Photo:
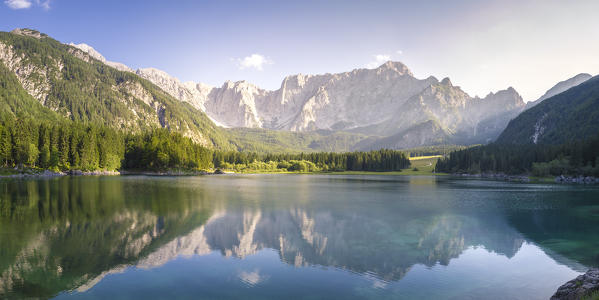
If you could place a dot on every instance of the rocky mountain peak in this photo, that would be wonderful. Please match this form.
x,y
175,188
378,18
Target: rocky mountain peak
x,y
395,66
446,81
89,50
96,55
295,81
432,79
156,72
562,86
229,85
581,76
29,32
508,98
202,87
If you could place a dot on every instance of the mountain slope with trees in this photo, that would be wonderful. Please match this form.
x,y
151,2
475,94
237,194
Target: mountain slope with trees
x,y
556,137
561,87
73,84
569,116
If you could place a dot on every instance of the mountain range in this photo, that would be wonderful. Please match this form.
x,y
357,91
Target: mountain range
x,y
388,104
385,107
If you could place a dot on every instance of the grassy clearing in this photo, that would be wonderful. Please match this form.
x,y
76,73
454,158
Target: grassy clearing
x,y
435,157
422,165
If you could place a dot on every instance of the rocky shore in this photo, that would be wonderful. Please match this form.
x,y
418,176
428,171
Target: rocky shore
x,y
47,173
582,287
576,179
165,173
31,173
525,178
498,176
82,173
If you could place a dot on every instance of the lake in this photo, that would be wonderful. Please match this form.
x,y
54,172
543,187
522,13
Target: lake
x,y
293,236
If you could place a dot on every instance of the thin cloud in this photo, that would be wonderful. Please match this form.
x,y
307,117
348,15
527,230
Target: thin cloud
x,y
18,4
399,52
254,61
25,4
44,4
379,59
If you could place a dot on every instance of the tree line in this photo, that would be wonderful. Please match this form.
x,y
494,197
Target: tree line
x,y
59,146
67,145
575,158
379,160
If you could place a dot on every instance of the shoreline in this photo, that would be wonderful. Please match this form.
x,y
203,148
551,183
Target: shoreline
x,y
562,179
49,174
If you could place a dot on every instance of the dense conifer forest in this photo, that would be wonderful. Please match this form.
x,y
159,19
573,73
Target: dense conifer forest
x,y
67,145
574,158
380,160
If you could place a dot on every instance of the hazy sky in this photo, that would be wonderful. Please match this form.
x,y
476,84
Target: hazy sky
x,y
482,46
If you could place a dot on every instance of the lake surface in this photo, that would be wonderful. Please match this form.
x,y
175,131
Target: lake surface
x,y
293,236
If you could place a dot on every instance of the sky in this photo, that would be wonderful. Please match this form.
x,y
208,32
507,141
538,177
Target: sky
x,y
482,46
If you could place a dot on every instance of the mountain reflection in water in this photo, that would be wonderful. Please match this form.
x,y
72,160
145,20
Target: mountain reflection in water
x,y
68,234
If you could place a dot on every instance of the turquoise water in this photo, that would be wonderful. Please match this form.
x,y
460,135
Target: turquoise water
x,y
293,236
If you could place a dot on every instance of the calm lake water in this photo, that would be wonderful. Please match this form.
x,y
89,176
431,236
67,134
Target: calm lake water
x,y
293,237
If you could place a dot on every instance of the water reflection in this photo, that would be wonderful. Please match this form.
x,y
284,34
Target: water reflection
x,y
68,234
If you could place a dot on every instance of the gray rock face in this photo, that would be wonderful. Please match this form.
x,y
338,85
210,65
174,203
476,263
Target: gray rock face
x,y
234,104
385,101
28,32
95,54
583,286
173,86
576,179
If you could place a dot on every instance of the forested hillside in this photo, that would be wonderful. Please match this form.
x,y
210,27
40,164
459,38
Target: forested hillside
x,y
15,102
558,136
71,83
575,158
569,116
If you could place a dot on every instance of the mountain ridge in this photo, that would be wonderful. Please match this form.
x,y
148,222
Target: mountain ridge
x,y
332,102
566,117
305,102
561,87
